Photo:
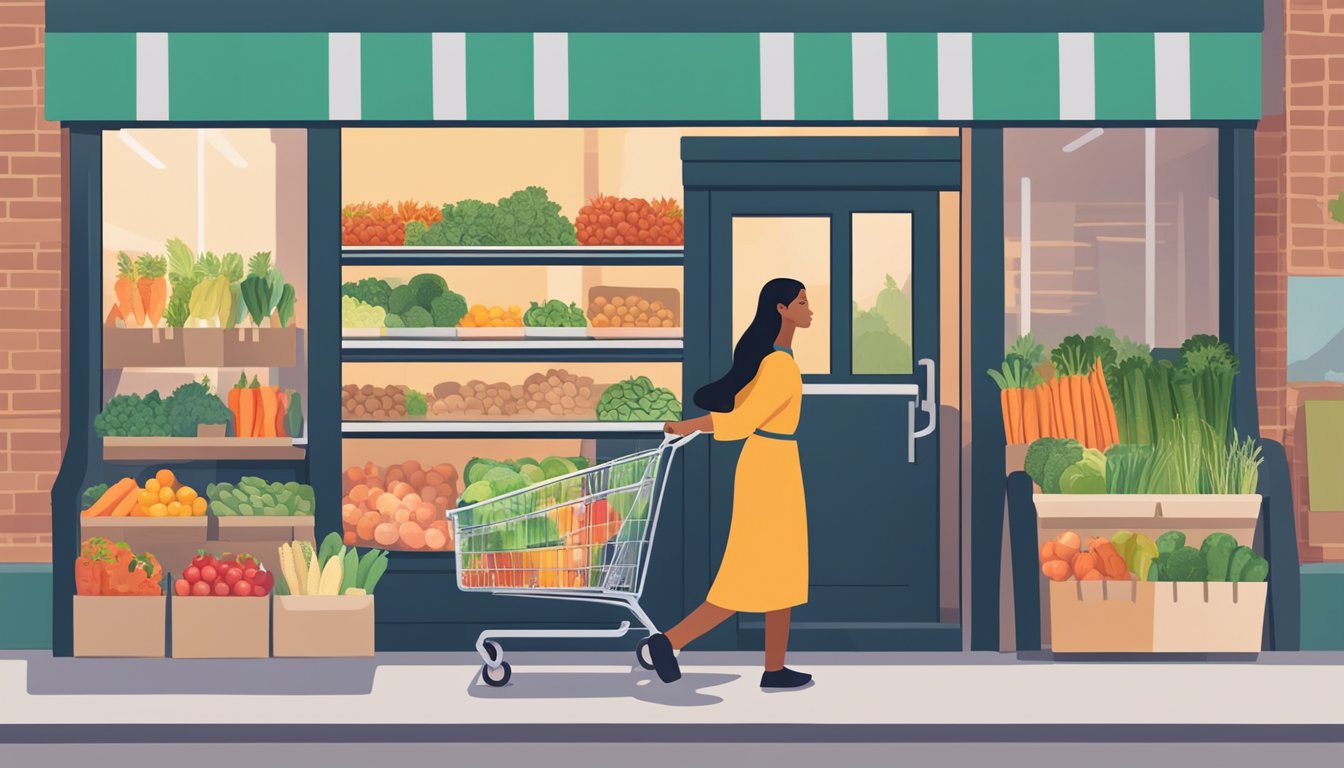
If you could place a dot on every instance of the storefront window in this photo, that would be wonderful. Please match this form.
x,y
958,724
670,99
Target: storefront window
x,y
1111,227
766,247
881,290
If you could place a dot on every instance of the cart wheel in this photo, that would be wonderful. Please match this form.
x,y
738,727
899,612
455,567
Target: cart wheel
x,y
492,650
496,678
641,654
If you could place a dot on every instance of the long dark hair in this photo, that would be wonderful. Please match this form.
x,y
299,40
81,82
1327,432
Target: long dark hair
x,y
756,342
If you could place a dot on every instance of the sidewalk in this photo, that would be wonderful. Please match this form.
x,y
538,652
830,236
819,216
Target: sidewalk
x,y
597,697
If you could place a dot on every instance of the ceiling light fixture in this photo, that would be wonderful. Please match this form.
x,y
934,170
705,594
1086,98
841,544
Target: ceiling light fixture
x,y
141,150
1084,140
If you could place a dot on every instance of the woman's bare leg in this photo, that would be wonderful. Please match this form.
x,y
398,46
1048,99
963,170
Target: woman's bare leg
x,y
776,639
701,620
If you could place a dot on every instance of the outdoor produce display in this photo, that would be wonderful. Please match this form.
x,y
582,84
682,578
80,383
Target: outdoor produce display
x,y
1071,399
1129,555
526,217
332,570
401,508
630,311
1150,395
108,569
555,314
201,291
224,576
637,399
265,411
607,220
181,414
255,496
382,224
161,496
1219,558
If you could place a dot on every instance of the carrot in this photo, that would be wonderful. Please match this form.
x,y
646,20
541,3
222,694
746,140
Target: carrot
x,y
269,407
1031,420
111,498
1007,416
158,300
1099,401
1043,409
1066,407
247,413
1079,415
142,288
1112,426
124,287
125,506
235,395
1089,413
1015,403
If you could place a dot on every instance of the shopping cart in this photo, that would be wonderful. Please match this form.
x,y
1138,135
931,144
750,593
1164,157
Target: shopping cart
x,y
585,536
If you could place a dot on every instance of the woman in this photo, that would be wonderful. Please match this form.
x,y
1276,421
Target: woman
x,y
764,568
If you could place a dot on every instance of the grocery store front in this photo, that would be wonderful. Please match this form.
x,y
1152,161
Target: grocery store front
x,y
516,242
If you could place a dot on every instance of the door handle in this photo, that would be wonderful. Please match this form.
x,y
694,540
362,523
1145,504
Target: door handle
x,y
925,404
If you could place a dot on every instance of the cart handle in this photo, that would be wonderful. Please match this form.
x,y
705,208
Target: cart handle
x,y
677,441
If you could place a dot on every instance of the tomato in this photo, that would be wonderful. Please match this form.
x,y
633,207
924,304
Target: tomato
x,y
250,574
221,589
209,574
233,576
266,578
200,589
201,559
182,587
247,561
242,589
260,590
192,574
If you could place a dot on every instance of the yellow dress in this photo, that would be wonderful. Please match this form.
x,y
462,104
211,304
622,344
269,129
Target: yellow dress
x,y
765,564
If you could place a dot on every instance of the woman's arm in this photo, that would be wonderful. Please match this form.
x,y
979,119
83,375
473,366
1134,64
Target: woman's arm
x,y
699,424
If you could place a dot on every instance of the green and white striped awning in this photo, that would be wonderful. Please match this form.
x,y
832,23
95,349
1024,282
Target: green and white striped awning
x,y
635,77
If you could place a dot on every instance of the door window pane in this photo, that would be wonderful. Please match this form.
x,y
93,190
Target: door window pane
x,y
881,292
768,247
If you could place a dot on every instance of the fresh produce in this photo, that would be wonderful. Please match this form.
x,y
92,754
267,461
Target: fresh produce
x,y
1048,457
1062,558
414,233
424,302
371,290
527,217
369,402
1088,475
402,508
555,314
415,403
152,286
132,416
381,223
255,496
1019,384
1080,393
630,311
192,405
212,302
357,314
107,569
637,399
161,496
224,576
481,316
265,411
91,495
555,393
1137,550
607,220
339,569
1219,558
1150,395
130,302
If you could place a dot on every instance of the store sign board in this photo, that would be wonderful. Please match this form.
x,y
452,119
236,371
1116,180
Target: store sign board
x,y
656,77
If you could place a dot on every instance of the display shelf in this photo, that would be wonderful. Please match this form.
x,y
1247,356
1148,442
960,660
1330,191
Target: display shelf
x,y
202,449
512,350
143,523
500,428
200,347
583,255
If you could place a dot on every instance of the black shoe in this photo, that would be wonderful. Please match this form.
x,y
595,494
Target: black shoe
x,y
785,678
664,659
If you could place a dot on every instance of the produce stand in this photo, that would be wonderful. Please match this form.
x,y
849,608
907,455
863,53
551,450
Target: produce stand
x,y
158,449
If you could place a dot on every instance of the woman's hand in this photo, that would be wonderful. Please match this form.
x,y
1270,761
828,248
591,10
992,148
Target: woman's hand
x,y
699,424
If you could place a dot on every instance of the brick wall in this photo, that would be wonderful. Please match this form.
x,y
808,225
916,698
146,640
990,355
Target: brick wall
x,y
32,291
1271,278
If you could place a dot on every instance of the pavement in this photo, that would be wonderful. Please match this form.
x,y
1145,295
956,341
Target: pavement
x,y
575,698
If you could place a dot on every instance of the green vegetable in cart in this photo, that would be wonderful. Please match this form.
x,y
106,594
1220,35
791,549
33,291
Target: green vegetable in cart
x,y
415,403
448,309
555,466
92,494
1170,542
475,470
1217,550
1085,476
637,399
504,480
401,299
555,314
371,290
193,404
418,317
1184,564
415,232
477,492
133,416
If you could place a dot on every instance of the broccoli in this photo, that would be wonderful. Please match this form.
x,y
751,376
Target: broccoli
x,y
415,403
415,233
401,300
1067,452
1170,542
1037,454
133,416
370,290
1184,564
448,309
417,317
193,404
1217,550
393,321
427,287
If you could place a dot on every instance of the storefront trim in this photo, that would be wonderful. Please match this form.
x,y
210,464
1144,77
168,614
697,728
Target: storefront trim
x,y
559,77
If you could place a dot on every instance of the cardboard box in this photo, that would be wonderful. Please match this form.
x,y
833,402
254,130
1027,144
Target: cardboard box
x,y
221,627
1101,616
1209,617
313,625
120,626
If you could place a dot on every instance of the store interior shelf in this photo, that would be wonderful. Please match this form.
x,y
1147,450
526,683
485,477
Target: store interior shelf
x,y
201,449
197,522
200,347
486,429
514,350
418,256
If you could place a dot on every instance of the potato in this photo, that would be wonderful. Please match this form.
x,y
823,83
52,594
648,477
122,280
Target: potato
x,y
388,503
401,515
350,514
410,467
364,529
386,534
374,494
400,489
412,535
411,500
435,539
424,514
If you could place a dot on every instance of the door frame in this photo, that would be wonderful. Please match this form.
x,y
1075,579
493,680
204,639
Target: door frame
x,y
743,164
